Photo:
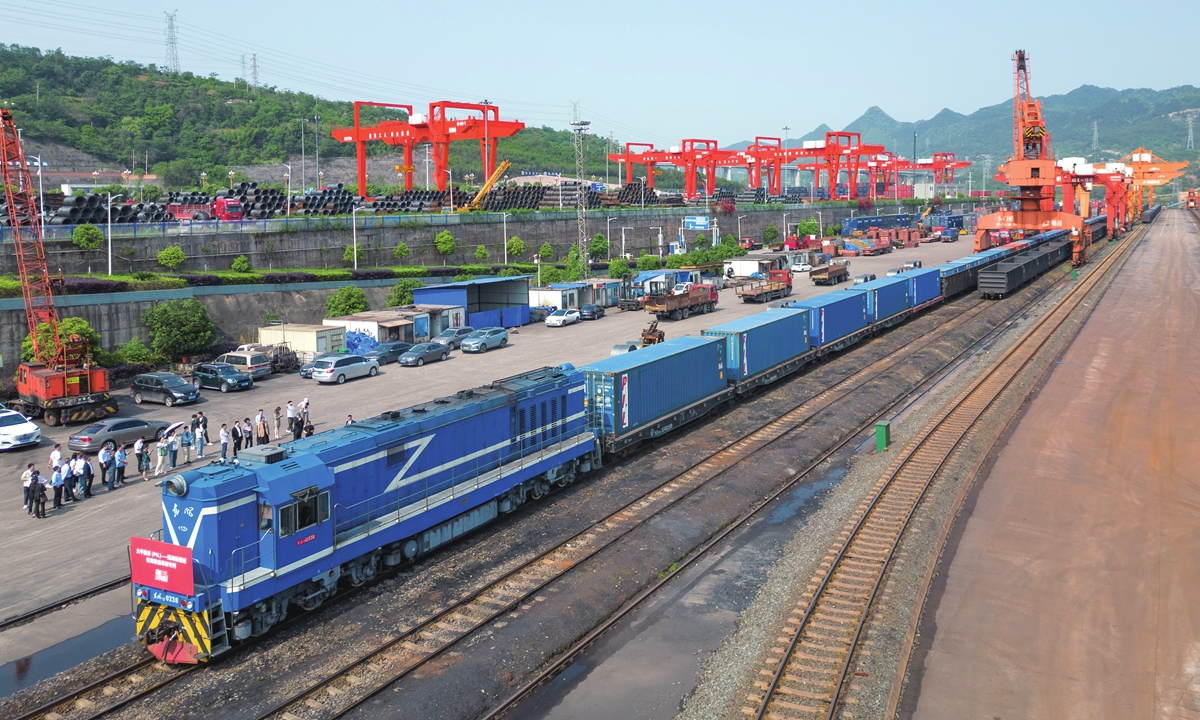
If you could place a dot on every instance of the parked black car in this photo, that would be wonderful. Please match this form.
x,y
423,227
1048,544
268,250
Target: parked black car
x,y
388,352
222,376
591,312
164,387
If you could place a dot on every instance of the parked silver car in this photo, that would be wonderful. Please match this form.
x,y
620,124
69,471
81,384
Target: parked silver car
x,y
425,352
111,432
485,339
453,336
339,370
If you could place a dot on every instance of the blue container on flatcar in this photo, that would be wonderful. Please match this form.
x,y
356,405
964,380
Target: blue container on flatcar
x,y
635,389
953,267
924,284
886,297
834,315
756,343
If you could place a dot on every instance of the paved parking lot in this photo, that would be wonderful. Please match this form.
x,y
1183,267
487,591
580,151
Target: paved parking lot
x,y
83,545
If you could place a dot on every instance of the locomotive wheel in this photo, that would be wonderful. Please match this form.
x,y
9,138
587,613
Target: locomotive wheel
x,y
51,418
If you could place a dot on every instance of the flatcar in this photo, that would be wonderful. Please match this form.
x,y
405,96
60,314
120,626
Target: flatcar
x,y
247,541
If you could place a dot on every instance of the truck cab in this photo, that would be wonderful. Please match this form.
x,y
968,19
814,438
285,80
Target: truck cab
x,y
227,209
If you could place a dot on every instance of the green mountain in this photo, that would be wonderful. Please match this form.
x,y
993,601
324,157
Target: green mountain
x,y
1155,119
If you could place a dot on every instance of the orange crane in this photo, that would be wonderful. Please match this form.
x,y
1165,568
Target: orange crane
x,y
60,383
1032,170
1149,171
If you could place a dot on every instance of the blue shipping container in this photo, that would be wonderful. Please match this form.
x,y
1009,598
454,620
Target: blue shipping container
x,y
834,315
637,388
952,268
923,285
886,297
756,343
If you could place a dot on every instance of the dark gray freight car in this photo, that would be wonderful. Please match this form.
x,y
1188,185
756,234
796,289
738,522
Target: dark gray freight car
x,y
1005,278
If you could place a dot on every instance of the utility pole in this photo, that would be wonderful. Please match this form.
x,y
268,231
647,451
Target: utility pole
x,y
254,73
317,146
580,127
303,176
1191,145
172,44
987,170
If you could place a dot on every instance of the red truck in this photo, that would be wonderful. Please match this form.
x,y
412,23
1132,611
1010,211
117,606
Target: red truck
x,y
222,208
777,285
682,301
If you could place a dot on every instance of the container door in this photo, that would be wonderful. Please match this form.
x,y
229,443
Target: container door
x,y
322,343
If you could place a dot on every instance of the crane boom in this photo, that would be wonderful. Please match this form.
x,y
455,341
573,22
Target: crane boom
x,y
27,240
477,201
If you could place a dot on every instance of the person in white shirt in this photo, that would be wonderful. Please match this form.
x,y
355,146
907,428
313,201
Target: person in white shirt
x,y
55,457
291,414
224,440
106,464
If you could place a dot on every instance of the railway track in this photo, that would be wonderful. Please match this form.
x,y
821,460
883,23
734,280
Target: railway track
x,y
111,692
351,685
36,613
812,660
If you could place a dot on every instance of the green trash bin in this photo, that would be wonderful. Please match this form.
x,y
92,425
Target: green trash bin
x,y
883,435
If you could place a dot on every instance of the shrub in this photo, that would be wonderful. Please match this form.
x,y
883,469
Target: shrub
x,y
200,280
237,278
288,277
445,271
401,251
546,252
346,301
126,371
87,237
372,274
444,242
179,328
481,252
402,294
330,274
553,274
770,232
516,247
701,242
477,269
463,277
510,272
171,257
67,327
135,352
411,272
91,285
649,262
598,247
618,268
241,264
144,275
349,252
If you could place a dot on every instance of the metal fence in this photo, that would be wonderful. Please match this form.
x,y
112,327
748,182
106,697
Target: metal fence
x,y
308,223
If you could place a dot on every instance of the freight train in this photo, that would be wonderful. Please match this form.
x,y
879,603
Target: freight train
x,y
247,541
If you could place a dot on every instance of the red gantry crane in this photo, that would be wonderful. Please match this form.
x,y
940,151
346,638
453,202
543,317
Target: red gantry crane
x,y
1031,170
60,383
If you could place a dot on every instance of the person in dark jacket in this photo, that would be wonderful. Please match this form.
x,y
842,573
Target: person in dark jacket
x,y
309,429
37,496
236,432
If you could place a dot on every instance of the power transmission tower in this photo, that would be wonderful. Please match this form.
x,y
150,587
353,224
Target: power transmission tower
x,y
1191,142
580,127
243,74
172,44
1095,135
254,72
987,170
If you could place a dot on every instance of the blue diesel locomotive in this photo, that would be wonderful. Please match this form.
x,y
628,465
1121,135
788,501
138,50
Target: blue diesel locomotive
x,y
283,525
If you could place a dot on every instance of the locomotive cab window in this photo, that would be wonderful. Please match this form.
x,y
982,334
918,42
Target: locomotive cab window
x,y
311,508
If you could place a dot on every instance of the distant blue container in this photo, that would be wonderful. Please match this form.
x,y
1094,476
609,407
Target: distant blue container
x,y
759,342
834,315
637,388
924,284
952,268
886,297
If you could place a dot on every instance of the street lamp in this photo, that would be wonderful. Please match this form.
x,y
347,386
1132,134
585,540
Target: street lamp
x,y
783,165
95,178
784,227
623,229
288,176
659,229
450,172
320,179
740,227
203,179
230,179
504,222
354,232
110,201
820,224
125,173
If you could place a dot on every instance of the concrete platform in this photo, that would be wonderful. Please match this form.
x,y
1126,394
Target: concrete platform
x,y
1069,588
85,544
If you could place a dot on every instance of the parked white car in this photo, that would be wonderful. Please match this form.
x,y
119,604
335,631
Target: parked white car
x,y
17,430
340,369
558,318
801,268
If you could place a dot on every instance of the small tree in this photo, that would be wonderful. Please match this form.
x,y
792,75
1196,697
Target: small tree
x,y
401,251
809,227
171,257
346,301
618,268
546,252
444,242
575,265
348,254
402,294
729,239
649,262
516,247
481,252
67,327
87,237
179,328
136,352
241,264
598,247
701,242
770,232
865,204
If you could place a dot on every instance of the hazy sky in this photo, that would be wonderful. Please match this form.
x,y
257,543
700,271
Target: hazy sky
x,y
646,71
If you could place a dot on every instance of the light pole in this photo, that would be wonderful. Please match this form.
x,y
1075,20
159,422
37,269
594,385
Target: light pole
x,y
41,195
608,235
623,229
783,164
784,227
643,192
450,172
317,144
659,239
740,227
110,199
125,177
504,222
820,224
95,178
320,179
354,232
303,131
203,179
288,176
230,179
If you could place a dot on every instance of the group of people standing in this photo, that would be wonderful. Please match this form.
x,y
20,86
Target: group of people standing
x,y
66,481
237,435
